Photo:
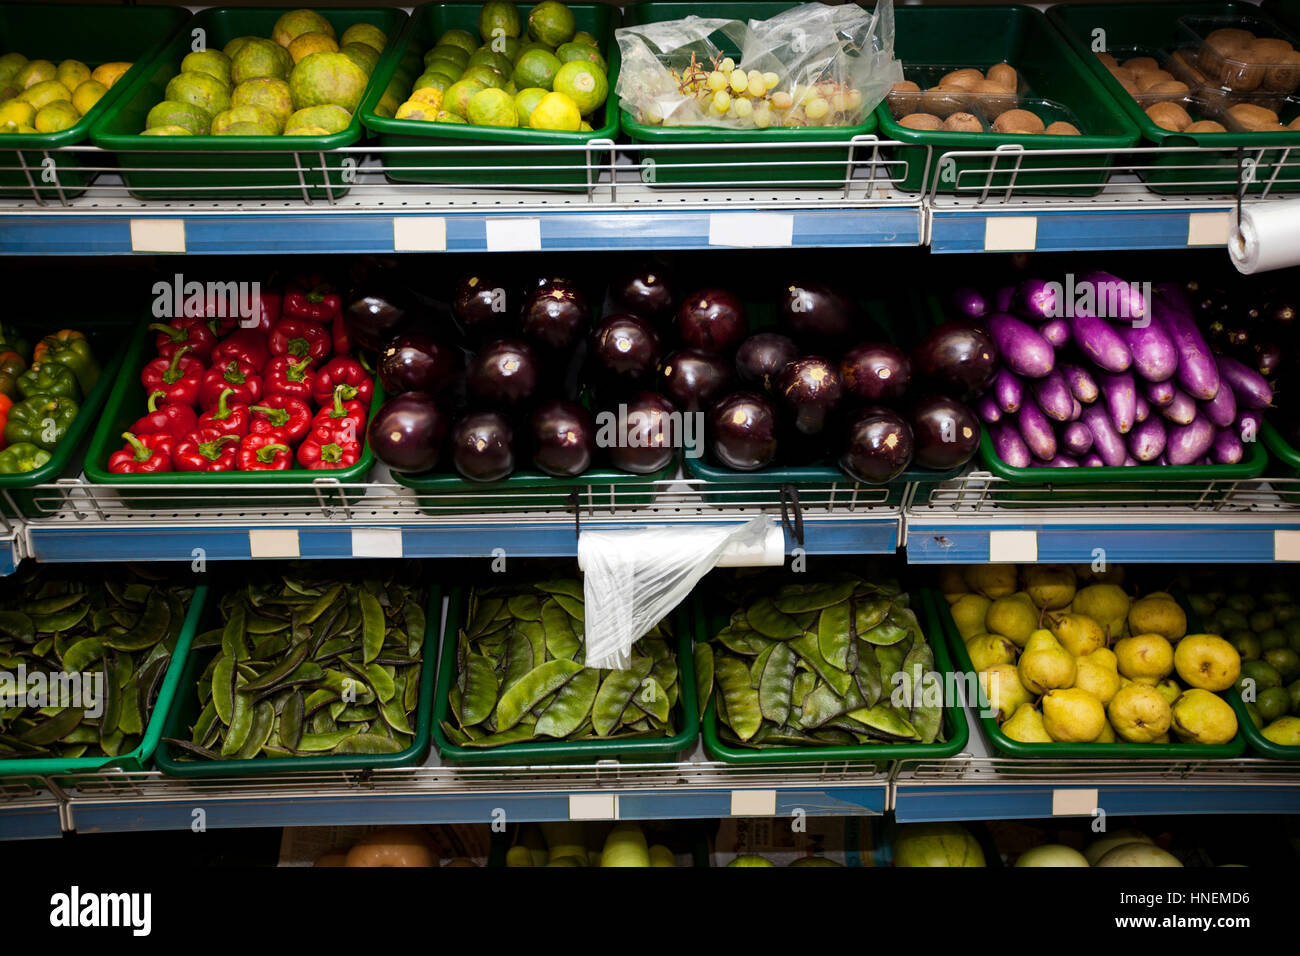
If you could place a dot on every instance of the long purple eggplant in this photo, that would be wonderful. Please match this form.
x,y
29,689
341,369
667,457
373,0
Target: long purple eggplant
x,y
1227,448
1021,348
1159,394
1123,301
1181,410
1120,394
1091,460
1008,391
1053,395
1008,444
1197,374
1076,409
1057,332
1060,461
969,303
1146,442
987,409
1098,340
1187,443
1082,385
1221,410
1105,440
1037,300
1036,430
1252,389
1077,439
1154,355
1143,408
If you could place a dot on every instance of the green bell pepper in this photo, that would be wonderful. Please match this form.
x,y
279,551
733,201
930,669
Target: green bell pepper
x,y
49,379
41,421
70,348
11,340
22,457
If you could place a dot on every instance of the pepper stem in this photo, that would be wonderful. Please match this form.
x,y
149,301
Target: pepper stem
x,y
153,399
176,335
297,371
331,453
174,373
299,346
277,416
266,454
139,451
223,406
338,411
232,374
211,450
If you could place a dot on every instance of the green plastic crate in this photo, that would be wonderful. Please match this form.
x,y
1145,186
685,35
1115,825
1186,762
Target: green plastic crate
x,y
1120,750
783,163
1153,29
710,618
265,167
153,732
107,340
980,37
537,753
185,709
1284,456
596,488
570,165
93,34
127,402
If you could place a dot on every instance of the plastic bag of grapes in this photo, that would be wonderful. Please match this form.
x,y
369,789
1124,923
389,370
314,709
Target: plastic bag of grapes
x,y
813,65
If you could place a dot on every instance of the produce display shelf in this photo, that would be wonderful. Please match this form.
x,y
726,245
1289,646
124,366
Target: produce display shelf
x,y
29,810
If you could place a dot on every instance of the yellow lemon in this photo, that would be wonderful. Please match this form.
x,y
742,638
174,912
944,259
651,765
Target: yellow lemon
x,y
85,96
43,94
72,73
56,117
17,112
109,73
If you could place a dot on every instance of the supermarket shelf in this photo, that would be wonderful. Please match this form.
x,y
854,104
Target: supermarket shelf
x,y
28,810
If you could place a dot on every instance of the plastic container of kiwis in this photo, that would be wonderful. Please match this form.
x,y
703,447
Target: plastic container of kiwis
x,y
1241,54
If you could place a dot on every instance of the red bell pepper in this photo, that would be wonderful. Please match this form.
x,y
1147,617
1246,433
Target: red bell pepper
x,y
188,330
328,447
178,378
345,417
143,454
282,415
346,374
286,375
175,420
246,345
206,449
228,417
264,453
269,305
299,338
240,377
312,298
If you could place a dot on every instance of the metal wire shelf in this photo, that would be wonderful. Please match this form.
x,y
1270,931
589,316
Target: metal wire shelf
x,y
994,771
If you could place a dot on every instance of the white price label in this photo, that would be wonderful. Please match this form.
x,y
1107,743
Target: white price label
x,y
1208,228
273,543
1286,545
514,235
157,235
376,542
593,806
1013,547
751,229
420,234
1074,803
1010,233
753,803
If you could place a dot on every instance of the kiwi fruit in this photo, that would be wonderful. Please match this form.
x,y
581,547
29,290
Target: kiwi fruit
x,y
1169,116
993,98
963,123
1017,122
1107,59
1062,128
964,79
1005,76
1141,64
1206,126
1149,78
1219,48
1175,89
944,101
1228,37
1267,49
1284,75
904,98
1254,118
923,121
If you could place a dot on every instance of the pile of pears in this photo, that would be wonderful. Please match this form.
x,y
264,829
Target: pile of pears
x,y
586,845
1065,655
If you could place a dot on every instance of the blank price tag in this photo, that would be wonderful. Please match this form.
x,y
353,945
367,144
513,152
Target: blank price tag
x,y
751,229
514,235
593,806
420,234
157,235
273,543
1286,545
1013,547
1074,803
1208,228
1010,233
753,803
376,542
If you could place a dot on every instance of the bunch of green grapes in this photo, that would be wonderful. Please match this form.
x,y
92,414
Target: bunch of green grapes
x,y
751,96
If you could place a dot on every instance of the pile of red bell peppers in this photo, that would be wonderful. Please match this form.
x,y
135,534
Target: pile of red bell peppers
x,y
270,394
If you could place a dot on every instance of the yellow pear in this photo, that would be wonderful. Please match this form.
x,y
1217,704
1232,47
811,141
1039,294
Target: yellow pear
x,y
1013,616
1157,614
968,613
1285,732
1078,633
1169,689
951,580
1139,714
1026,726
1045,665
1003,690
1200,717
1163,739
1072,716
1107,604
1207,661
1147,655
1097,676
1104,655
1103,845
1050,586
985,650
992,580
1107,735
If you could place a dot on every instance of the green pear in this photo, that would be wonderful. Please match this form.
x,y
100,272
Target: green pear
x,y
985,650
1157,614
1051,854
1026,726
1138,854
952,582
1078,633
1103,845
1107,604
1013,616
625,846
992,580
1073,716
1002,689
1050,586
968,613
1045,665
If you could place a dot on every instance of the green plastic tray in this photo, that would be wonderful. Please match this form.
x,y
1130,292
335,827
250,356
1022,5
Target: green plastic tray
x,y
1154,27
765,167
597,488
980,37
710,618
153,732
535,753
127,403
17,494
265,167
94,34
1007,747
569,166
185,709
1280,451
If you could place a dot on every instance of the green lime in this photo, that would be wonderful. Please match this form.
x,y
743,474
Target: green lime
x,y
531,45
484,56
551,22
461,38
555,111
492,108
332,119
568,52
526,101
366,33
189,117
581,82
266,93
435,80
1273,703
446,117
199,89
455,99
448,51
321,78
485,75
582,36
443,68
362,54
259,57
537,68
10,64
213,62
266,124
1253,713
499,18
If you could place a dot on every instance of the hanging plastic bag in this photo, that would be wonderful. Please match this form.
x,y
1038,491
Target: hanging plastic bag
x,y
812,66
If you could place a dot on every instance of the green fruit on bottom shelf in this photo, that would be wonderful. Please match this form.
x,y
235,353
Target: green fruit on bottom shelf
x,y
750,859
492,108
497,18
936,845
252,116
1138,854
459,38
551,22
526,101
185,115
332,119
200,90
1273,703
327,79
625,846
1051,854
537,68
583,83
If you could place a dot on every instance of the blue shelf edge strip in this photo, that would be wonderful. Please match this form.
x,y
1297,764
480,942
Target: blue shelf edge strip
x,y
922,804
